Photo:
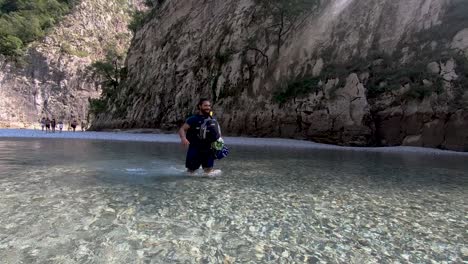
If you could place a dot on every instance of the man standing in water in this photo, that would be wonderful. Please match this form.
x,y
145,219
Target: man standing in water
x,y
199,150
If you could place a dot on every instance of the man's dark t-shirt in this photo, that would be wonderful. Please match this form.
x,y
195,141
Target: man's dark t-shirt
x,y
195,123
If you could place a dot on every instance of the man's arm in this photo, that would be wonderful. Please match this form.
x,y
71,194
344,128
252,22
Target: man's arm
x,y
183,135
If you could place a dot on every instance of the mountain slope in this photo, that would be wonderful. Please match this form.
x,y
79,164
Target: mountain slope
x,y
52,80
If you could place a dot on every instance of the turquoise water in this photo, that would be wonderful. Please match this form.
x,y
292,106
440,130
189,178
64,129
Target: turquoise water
x,y
84,201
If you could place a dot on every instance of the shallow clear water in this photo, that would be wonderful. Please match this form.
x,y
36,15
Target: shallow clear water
x,y
83,201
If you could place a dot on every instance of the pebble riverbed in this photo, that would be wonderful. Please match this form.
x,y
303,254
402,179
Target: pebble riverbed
x,y
108,200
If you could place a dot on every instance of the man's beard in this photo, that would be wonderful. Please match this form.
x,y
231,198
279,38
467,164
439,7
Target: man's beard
x,y
206,112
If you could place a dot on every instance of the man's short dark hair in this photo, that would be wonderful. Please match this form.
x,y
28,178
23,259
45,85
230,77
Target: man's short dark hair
x,y
201,101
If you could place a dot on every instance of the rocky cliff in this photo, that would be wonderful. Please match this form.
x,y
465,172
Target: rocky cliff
x,y
349,72
52,79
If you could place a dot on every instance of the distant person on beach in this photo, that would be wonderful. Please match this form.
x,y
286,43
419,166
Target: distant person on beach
x,y
74,124
43,121
60,125
199,151
47,125
53,124
83,126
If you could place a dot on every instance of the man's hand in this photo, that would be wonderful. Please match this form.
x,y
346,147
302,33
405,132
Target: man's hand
x,y
183,135
185,142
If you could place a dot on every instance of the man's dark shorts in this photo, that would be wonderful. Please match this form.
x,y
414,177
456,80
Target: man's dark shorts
x,y
197,157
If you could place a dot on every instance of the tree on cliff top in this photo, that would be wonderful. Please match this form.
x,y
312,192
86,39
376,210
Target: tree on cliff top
x,y
284,15
108,73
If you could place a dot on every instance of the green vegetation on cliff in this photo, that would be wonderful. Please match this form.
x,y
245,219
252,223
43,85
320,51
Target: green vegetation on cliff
x,y
108,73
140,17
137,21
384,73
297,88
23,21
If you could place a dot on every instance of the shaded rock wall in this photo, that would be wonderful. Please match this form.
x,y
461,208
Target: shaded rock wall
x,y
350,72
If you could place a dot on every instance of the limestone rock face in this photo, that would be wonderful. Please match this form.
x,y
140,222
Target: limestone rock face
x,y
52,80
460,41
324,76
346,114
